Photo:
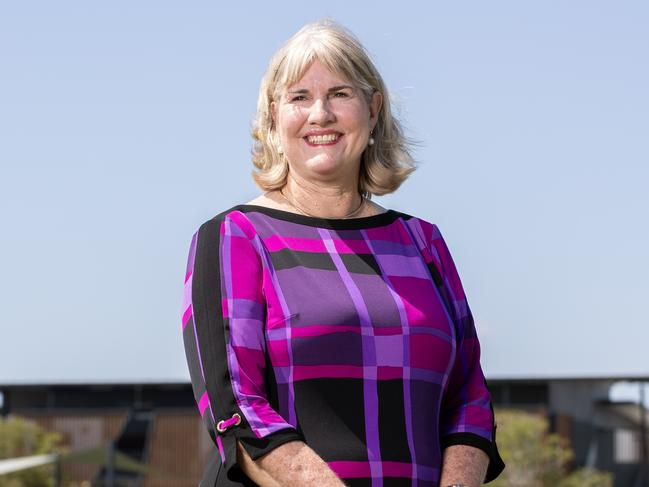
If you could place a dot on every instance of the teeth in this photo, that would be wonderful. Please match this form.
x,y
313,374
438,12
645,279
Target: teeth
x,y
322,139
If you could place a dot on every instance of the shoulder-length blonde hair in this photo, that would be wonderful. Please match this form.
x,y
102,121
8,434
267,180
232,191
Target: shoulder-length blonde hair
x,y
385,164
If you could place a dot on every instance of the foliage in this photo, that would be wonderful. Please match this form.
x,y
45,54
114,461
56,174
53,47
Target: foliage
x,y
20,437
586,477
537,458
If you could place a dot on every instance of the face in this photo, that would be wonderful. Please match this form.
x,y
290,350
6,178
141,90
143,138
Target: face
x,y
324,123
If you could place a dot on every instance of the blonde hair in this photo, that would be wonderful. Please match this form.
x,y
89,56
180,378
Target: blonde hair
x,y
386,164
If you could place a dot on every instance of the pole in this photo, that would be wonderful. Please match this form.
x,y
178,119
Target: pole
x,y
643,437
58,474
110,466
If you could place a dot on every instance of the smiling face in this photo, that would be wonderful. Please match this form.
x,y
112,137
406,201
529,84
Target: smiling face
x,y
324,123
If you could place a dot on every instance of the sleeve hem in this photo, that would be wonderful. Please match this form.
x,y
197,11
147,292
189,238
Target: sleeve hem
x,y
255,447
259,447
496,464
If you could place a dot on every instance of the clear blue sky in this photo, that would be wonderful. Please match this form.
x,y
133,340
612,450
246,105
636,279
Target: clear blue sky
x,y
125,125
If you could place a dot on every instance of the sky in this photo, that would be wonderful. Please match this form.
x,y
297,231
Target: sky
x,y
125,125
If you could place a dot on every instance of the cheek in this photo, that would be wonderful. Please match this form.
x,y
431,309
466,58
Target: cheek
x,y
291,120
358,119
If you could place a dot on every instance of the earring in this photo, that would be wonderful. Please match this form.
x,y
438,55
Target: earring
x,y
280,150
371,140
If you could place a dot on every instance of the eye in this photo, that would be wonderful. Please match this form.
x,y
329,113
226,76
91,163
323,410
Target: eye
x,y
341,94
295,98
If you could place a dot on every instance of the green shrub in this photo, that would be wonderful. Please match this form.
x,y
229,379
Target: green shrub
x,y
20,437
537,458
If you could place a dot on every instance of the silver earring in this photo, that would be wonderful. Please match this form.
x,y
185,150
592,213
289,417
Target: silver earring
x,y
280,150
371,140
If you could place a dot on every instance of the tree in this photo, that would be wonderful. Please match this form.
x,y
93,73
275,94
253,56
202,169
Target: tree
x,y
537,458
20,437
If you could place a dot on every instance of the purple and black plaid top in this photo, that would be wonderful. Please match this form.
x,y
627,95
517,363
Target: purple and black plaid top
x,y
353,336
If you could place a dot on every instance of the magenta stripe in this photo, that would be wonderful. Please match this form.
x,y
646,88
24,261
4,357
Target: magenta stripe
x,y
356,470
275,242
219,444
350,246
186,315
370,394
203,403
350,470
225,307
319,330
390,330
399,469
389,373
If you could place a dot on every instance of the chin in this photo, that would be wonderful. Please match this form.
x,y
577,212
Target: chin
x,y
332,175
327,165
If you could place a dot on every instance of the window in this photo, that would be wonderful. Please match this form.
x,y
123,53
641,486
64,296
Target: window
x,y
627,446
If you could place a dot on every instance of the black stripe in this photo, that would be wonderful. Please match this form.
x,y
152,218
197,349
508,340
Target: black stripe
x,y
434,272
287,258
331,223
191,352
361,264
208,315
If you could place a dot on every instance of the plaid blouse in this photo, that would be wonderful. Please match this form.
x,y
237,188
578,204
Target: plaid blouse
x,y
353,336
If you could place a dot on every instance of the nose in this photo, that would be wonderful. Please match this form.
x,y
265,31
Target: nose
x,y
320,113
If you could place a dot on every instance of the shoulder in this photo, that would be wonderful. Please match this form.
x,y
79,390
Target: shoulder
x,y
236,215
430,241
425,230
228,221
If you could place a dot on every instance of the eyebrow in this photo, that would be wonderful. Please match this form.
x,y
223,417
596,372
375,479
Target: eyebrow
x,y
302,91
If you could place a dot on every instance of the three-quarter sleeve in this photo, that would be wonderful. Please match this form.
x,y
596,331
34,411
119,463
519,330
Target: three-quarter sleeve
x,y
467,416
223,326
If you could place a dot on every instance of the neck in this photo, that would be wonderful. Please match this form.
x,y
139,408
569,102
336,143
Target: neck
x,y
323,201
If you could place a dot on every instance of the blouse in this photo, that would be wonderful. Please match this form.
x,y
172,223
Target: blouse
x,y
351,335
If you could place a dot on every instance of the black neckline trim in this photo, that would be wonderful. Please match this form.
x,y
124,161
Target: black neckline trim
x,y
373,221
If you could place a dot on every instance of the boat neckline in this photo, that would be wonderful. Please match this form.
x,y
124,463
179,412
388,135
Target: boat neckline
x,y
380,219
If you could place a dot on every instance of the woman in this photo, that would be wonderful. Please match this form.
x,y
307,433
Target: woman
x,y
328,339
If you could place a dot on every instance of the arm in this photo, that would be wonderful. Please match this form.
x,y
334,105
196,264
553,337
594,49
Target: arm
x,y
223,332
464,465
467,425
293,464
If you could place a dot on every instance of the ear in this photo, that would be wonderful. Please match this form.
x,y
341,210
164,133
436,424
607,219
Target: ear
x,y
375,107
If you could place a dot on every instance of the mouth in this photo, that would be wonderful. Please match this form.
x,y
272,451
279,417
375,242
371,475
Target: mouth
x,y
322,139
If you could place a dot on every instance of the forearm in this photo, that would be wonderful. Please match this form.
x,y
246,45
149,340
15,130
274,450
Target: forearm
x,y
288,465
464,465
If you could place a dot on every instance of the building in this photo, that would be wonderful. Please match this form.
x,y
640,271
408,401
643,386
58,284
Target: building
x,y
158,425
